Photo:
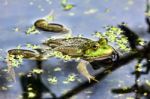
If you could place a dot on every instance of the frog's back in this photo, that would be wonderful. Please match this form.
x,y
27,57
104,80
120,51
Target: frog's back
x,y
76,41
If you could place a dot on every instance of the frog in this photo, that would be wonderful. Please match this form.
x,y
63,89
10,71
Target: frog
x,y
81,49
42,24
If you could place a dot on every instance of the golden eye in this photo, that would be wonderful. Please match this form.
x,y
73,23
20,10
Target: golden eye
x,y
95,46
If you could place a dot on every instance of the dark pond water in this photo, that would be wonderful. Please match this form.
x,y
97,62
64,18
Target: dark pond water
x,y
85,18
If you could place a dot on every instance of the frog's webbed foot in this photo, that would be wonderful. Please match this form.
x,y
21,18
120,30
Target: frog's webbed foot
x,y
83,70
90,77
10,68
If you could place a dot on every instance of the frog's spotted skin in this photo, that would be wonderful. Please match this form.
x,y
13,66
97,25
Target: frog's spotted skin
x,y
75,47
76,41
88,51
81,47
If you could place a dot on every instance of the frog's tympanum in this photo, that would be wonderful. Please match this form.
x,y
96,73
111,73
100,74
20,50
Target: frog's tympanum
x,y
77,47
51,27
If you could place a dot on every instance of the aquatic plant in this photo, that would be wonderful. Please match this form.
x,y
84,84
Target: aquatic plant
x,y
115,36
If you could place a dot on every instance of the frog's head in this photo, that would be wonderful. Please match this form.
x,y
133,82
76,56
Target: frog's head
x,y
100,50
41,23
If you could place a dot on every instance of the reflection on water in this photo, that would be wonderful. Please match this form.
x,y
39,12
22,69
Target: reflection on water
x,y
18,15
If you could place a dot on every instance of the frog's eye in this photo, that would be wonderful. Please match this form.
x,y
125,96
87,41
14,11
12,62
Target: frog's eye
x,y
95,46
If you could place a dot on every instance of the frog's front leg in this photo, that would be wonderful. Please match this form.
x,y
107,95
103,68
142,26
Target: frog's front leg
x,y
83,70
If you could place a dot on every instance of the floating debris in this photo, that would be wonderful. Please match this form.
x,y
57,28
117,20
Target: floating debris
x,y
66,6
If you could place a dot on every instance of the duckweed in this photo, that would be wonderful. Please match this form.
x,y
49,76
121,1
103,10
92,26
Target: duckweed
x,y
66,6
52,80
115,36
32,30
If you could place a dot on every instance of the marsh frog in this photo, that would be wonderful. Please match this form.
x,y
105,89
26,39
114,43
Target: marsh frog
x,y
87,49
42,24
76,47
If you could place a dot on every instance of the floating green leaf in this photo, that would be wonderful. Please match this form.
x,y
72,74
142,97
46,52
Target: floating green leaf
x,y
15,60
49,18
140,41
60,55
52,80
37,71
32,46
66,5
98,34
57,69
71,77
31,95
32,30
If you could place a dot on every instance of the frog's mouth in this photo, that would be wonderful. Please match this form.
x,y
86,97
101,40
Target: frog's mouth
x,y
114,57
98,58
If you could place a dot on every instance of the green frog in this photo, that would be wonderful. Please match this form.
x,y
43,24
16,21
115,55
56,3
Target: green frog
x,y
42,24
76,47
